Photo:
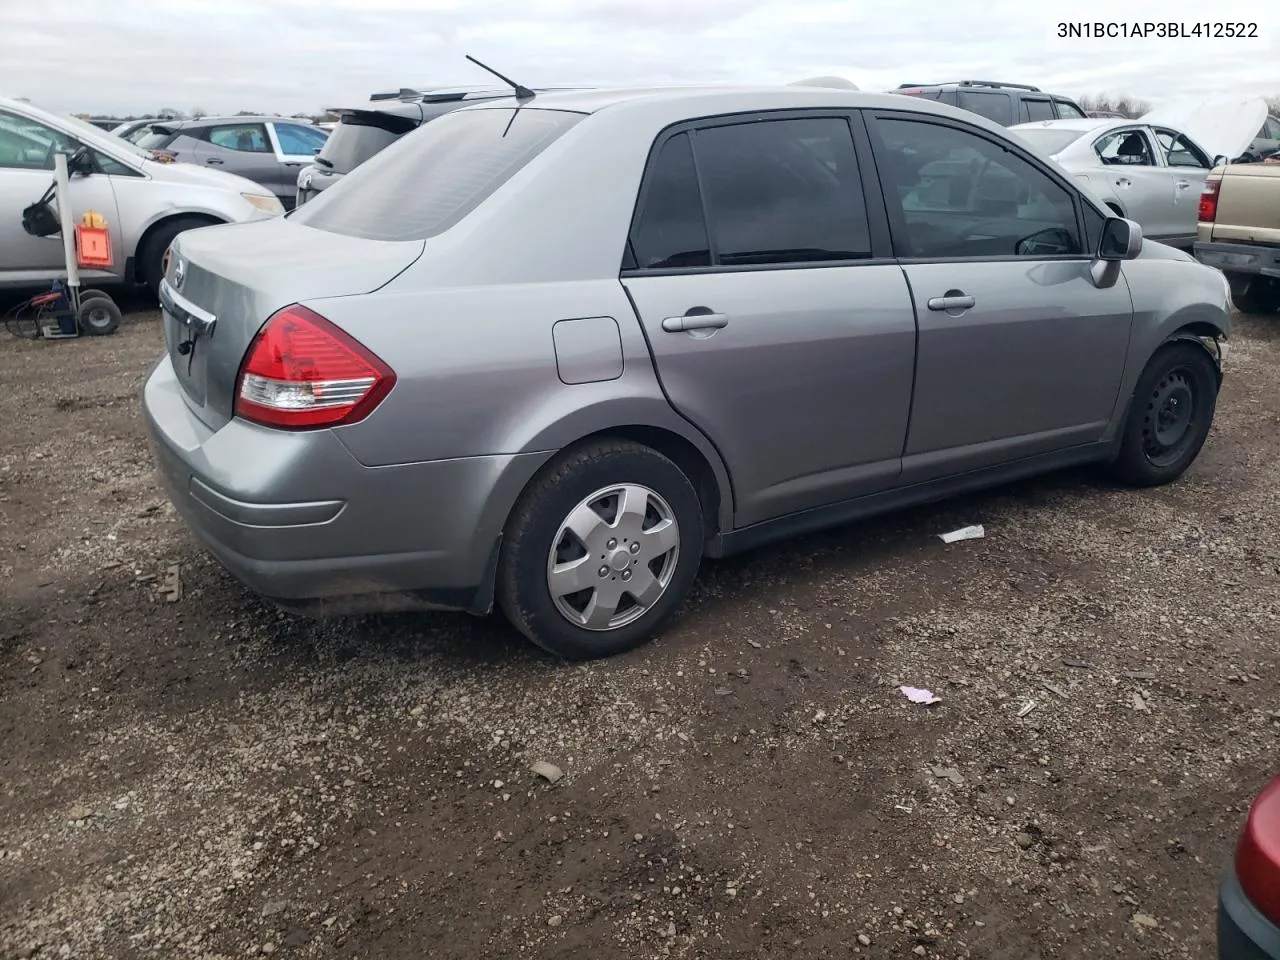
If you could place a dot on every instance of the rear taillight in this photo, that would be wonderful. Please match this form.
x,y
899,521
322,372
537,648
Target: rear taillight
x,y
1258,854
302,372
1209,200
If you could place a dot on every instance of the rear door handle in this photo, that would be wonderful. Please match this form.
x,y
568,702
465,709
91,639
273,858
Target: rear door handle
x,y
214,160
697,321
952,302
1123,182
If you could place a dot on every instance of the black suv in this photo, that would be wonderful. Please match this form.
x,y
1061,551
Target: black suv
x,y
363,131
1003,103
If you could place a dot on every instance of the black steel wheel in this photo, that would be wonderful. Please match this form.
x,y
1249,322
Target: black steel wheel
x,y
1169,416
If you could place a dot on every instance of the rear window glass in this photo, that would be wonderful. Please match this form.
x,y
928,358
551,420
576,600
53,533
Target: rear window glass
x,y
425,183
994,106
154,138
359,136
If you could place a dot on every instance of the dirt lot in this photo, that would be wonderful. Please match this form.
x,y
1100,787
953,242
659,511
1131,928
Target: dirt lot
x,y
207,777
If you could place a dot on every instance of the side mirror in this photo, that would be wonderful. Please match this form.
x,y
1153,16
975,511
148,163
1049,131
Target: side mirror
x,y
1221,160
81,161
1121,240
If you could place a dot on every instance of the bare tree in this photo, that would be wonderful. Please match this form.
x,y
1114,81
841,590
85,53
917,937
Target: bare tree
x,y
198,112
168,113
1122,104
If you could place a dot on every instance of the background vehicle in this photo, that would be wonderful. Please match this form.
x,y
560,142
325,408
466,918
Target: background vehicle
x,y
266,150
1249,896
567,412
1002,103
1239,232
363,131
1267,142
1150,173
135,130
146,204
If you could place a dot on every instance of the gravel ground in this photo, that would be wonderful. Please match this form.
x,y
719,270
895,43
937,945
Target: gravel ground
x,y
190,773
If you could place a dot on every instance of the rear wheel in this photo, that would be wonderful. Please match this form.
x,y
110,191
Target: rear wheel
x,y
601,550
1169,417
1254,294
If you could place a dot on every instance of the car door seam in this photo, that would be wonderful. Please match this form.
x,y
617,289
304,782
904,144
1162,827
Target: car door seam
x,y
657,375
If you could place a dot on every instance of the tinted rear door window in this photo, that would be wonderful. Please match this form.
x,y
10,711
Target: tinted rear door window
x,y
429,180
994,106
1033,110
670,230
1068,110
783,191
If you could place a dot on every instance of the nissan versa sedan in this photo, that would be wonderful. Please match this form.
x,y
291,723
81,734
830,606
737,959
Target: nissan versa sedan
x,y
1249,897
755,312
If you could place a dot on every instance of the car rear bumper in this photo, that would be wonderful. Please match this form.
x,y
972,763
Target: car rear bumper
x,y
1240,258
1243,933
296,518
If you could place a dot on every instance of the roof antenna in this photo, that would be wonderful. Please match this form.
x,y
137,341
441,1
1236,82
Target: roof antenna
x,y
522,92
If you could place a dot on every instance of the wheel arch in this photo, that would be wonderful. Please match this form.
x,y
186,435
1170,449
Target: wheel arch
x,y
144,241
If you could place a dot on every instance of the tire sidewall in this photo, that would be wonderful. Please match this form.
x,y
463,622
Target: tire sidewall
x,y
99,302
1133,460
524,593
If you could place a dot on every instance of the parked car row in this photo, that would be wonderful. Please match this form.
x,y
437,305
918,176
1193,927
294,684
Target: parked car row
x,y
145,203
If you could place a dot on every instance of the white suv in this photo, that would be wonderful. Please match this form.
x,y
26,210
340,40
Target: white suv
x,y
146,203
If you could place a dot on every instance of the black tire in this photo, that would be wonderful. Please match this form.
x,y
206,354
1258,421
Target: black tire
x,y
523,590
151,256
88,293
1169,416
99,316
1253,294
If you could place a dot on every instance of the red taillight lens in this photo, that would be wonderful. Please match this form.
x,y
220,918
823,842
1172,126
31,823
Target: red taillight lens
x,y
1209,200
1258,854
302,372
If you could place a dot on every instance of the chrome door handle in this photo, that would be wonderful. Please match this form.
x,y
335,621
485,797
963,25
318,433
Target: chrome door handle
x,y
697,321
1123,182
951,303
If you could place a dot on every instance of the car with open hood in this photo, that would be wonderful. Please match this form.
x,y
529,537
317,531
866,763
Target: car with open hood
x,y
145,203
546,353
1151,169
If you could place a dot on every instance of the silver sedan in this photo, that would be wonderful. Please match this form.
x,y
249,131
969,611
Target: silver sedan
x,y
615,332
1151,174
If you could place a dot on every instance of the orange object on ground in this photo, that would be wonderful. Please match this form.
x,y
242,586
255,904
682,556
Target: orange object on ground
x,y
93,246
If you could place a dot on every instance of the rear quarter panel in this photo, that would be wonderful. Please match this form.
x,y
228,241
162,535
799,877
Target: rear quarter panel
x,y
1248,204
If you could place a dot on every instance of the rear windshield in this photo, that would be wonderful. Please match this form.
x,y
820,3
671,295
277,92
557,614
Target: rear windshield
x,y
153,139
358,136
1047,140
425,183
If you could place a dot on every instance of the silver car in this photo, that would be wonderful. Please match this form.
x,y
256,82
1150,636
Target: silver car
x,y
616,332
1150,172
146,204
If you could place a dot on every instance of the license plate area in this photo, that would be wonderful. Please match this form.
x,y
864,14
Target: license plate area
x,y
189,366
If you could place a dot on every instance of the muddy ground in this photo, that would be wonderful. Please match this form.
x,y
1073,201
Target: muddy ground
x,y
202,776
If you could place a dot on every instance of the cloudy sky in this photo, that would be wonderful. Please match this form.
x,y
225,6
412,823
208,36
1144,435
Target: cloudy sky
x,y
136,56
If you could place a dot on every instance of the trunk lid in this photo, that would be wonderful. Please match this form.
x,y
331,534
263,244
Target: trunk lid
x,y
223,283
1249,204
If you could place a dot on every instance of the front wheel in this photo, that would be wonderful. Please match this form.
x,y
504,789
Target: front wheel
x,y
1169,416
601,550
